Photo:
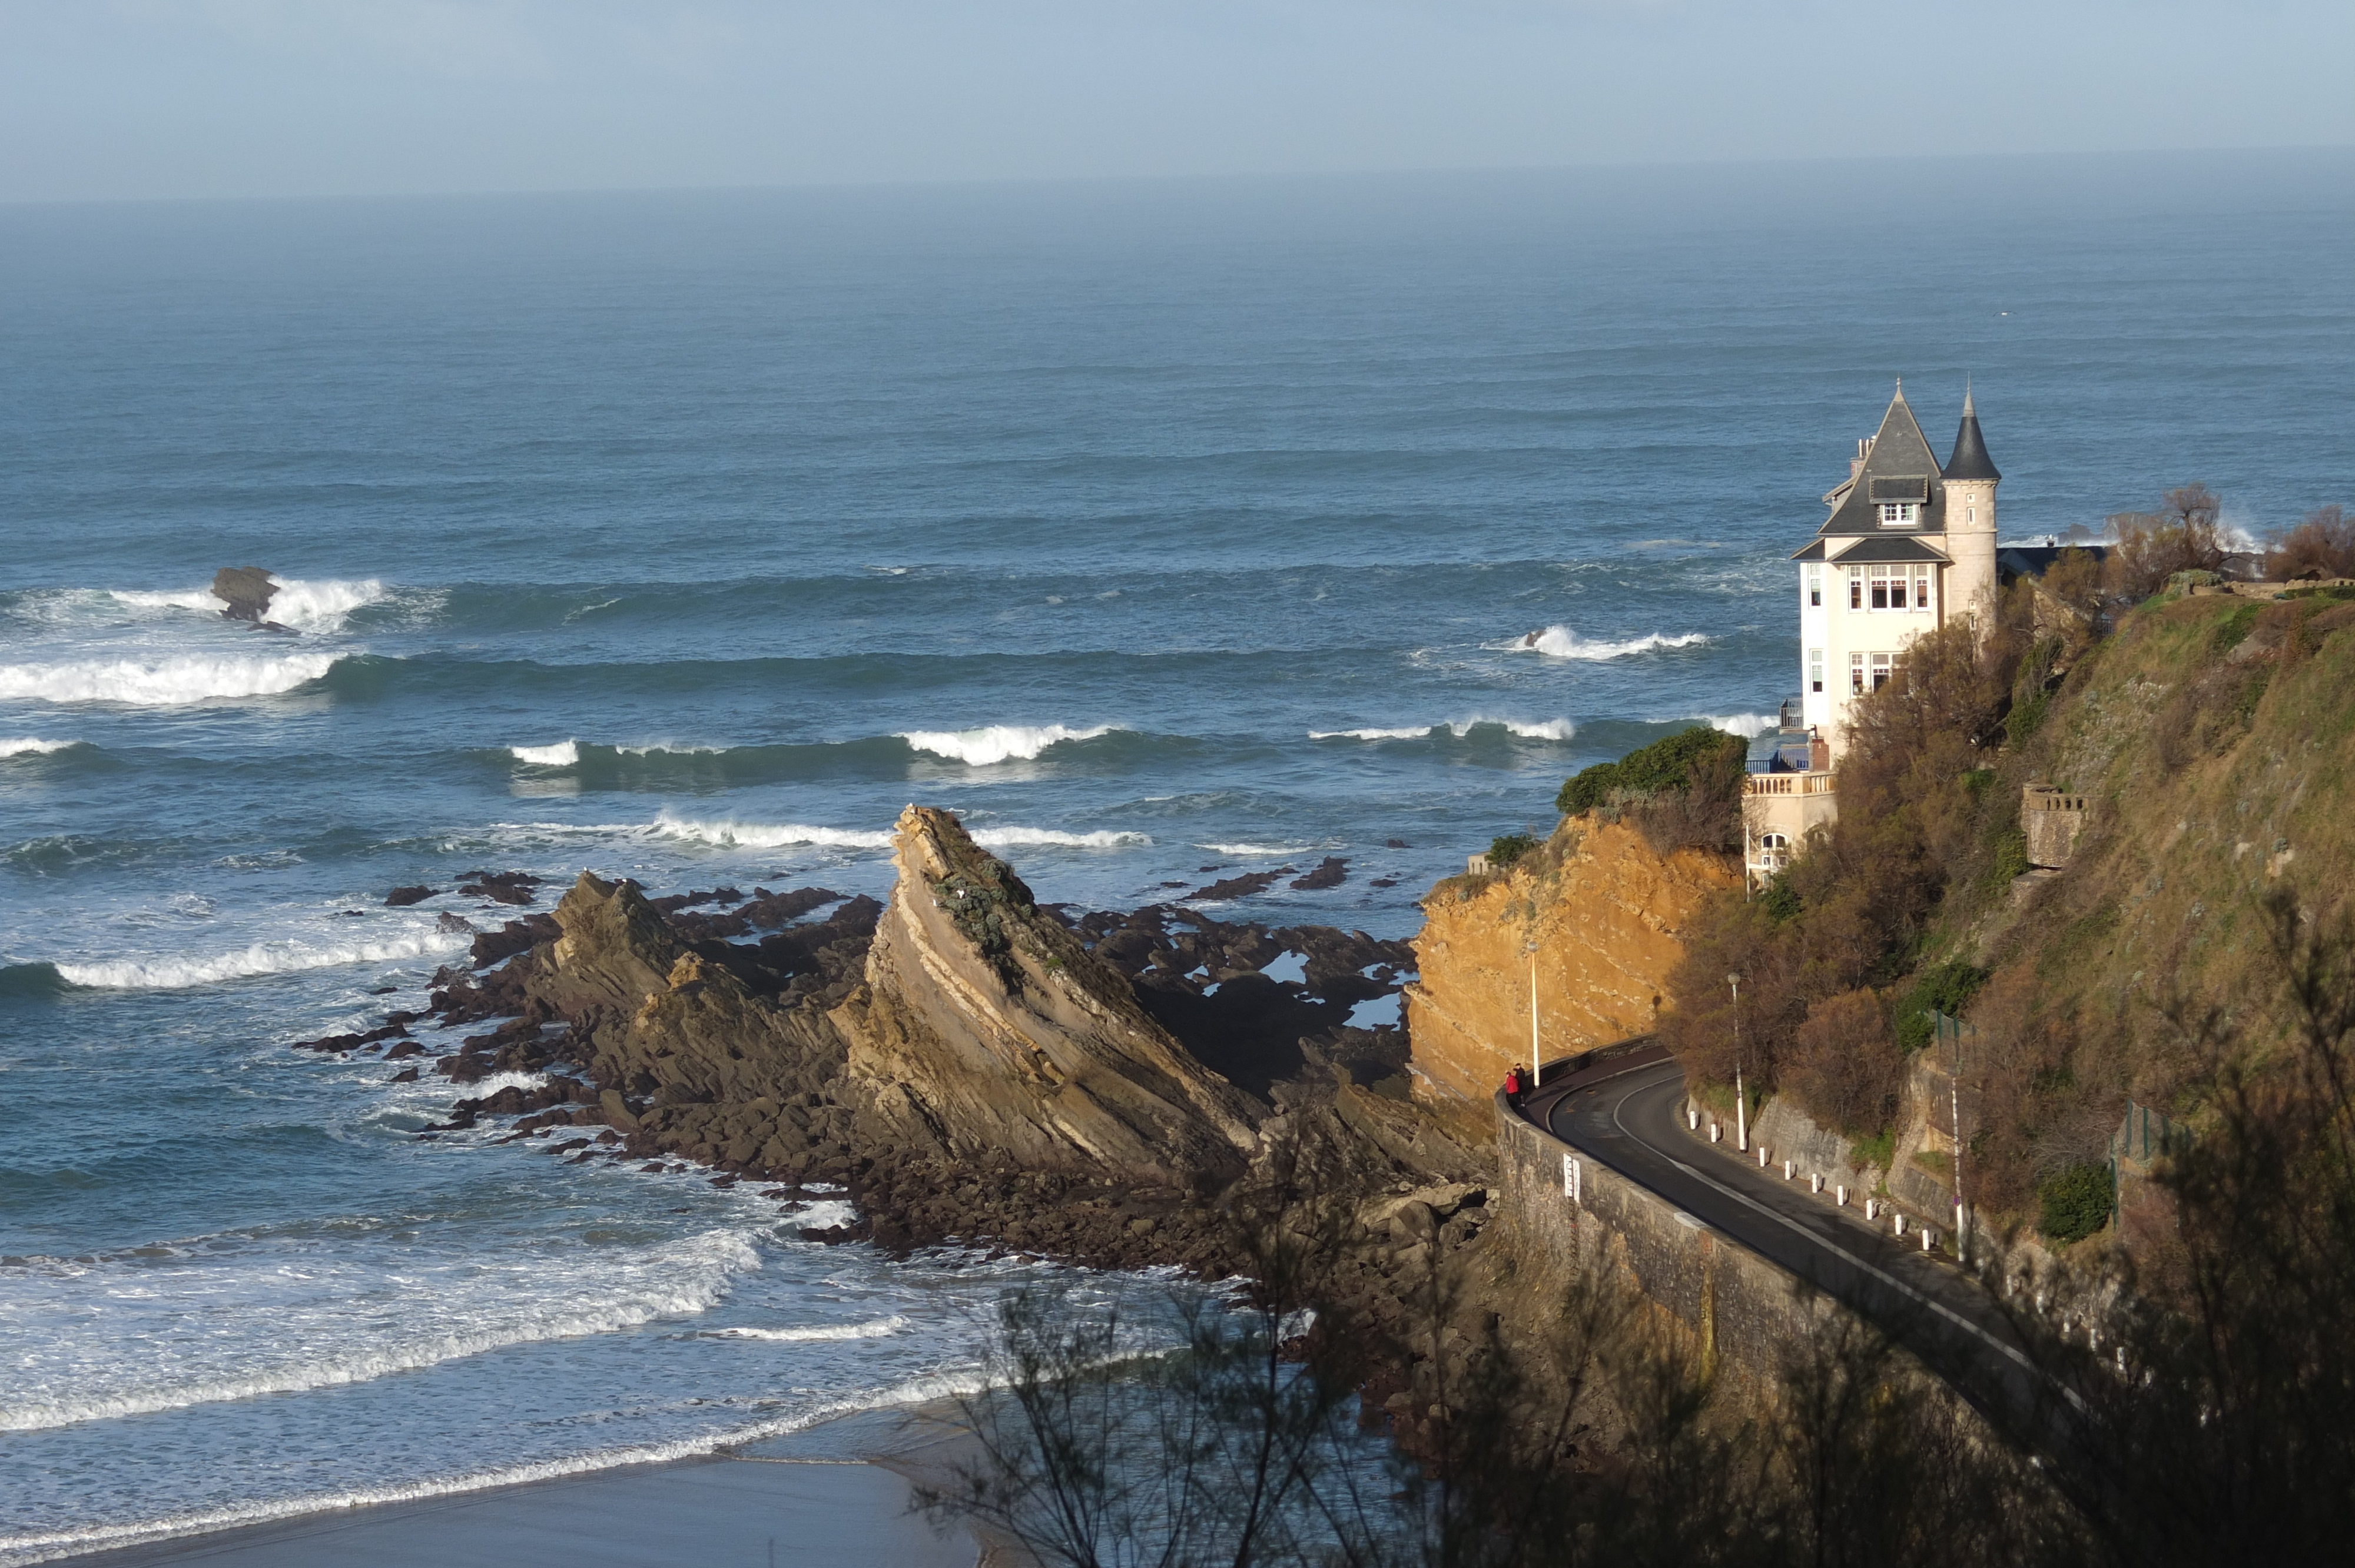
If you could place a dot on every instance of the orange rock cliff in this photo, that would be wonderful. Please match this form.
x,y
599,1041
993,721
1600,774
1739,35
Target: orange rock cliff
x,y
1608,918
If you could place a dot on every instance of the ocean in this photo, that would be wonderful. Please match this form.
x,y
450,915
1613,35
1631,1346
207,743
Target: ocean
x,y
1153,527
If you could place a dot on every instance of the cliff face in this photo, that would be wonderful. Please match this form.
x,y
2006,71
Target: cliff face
x,y
1608,917
984,1028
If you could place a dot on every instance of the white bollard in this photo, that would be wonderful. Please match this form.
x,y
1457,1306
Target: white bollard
x,y
1762,1156
1929,1239
1901,1224
1842,1197
1787,1169
1872,1208
1716,1133
1815,1181
1692,1119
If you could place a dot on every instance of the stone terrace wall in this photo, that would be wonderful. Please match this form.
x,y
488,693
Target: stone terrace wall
x,y
1740,1309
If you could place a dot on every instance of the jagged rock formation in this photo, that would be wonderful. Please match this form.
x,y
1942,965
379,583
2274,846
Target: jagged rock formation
x,y
245,593
1608,915
986,1028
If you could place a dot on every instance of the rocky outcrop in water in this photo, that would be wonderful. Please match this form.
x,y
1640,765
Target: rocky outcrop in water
x,y
245,593
986,1028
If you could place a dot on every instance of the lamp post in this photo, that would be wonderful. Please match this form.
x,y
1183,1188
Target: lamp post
x,y
1741,1101
1955,1088
1537,1057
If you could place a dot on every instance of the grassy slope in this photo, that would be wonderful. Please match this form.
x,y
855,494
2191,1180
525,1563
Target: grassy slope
x,y
2217,748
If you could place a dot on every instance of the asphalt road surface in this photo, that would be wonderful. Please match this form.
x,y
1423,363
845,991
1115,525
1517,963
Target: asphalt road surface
x,y
1628,1114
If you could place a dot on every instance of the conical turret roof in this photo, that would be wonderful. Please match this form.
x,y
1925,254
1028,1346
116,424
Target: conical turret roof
x,y
1970,460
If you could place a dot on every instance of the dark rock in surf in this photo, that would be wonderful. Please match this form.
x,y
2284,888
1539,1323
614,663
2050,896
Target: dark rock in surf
x,y
1244,887
499,886
402,898
1331,874
245,592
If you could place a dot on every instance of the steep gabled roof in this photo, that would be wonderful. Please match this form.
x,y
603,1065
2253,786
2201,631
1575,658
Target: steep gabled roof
x,y
1900,467
1970,460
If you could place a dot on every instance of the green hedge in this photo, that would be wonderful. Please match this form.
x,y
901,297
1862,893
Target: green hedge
x,y
2076,1202
1945,988
1649,770
1506,848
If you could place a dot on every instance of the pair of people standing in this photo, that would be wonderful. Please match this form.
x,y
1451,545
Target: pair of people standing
x,y
1516,1084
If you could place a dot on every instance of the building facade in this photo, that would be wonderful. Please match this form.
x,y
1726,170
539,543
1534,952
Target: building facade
x,y
1909,545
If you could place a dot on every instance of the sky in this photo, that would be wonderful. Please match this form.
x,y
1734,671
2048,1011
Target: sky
x,y
109,100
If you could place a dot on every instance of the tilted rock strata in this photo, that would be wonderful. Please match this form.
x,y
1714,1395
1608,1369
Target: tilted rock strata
x,y
986,1028
1609,921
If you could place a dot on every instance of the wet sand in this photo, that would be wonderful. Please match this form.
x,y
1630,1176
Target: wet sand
x,y
771,1504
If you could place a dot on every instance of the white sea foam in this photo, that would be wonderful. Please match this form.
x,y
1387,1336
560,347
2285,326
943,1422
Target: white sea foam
x,y
27,747
665,750
730,834
1038,838
304,605
41,1546
1561,642
262,959
877,1329
997,743
563,754
1527,729
1257,852
1747,726
684,1280
163,683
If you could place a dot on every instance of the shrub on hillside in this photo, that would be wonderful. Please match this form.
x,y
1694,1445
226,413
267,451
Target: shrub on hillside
x,y
2183,535
1844,1068
2324,542
2074,1203
1506,848
1684,790
1942,989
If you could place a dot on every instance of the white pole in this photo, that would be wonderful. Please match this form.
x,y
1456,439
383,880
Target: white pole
x,y
1954,1087
1537,1056
1741,1101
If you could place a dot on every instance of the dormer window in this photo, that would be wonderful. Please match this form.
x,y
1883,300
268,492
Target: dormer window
x,y
1899,498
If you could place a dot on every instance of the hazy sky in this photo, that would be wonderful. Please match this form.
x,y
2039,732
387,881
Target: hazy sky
x,y
192,98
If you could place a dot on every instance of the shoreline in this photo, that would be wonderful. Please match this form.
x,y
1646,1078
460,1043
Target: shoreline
x,y
836,1495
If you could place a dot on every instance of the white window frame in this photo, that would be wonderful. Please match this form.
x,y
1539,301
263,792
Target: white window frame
x,y
1814,670
1815,585
1900,513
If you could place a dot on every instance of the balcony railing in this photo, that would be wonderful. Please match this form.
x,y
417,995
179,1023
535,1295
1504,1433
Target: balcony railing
x,y
1787,783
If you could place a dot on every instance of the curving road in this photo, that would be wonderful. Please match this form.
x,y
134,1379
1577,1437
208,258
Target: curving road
x,y
1626,1113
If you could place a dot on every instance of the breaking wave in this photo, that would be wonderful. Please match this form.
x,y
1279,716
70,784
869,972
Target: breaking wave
x,y
164,683
878,1328
767,835
29,748
262,959
695,1281
307,606
1527,729
1747,726
732,835
1561,642
997,743
563,754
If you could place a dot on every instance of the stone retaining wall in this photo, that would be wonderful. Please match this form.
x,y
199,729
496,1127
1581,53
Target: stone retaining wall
x,y
1740,1311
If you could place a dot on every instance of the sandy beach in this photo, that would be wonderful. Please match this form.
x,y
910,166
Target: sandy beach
x,y
802,1501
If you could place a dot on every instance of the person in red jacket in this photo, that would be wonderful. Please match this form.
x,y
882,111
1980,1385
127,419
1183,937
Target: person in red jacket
x,y
1513,1086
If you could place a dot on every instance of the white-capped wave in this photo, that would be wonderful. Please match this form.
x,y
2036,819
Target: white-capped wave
x,y
665,750
1033,838
997,743
1747,726
27,747
1257,852
767,835
732,834
262,959
876,1328
36,1546
1527,729
563,754
163,683
688,1279
1561,642
302,604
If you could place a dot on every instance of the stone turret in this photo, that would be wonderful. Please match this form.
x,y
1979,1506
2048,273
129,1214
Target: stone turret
x,y
1971,478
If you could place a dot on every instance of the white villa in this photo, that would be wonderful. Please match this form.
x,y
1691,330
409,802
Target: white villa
x,y
1910,544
